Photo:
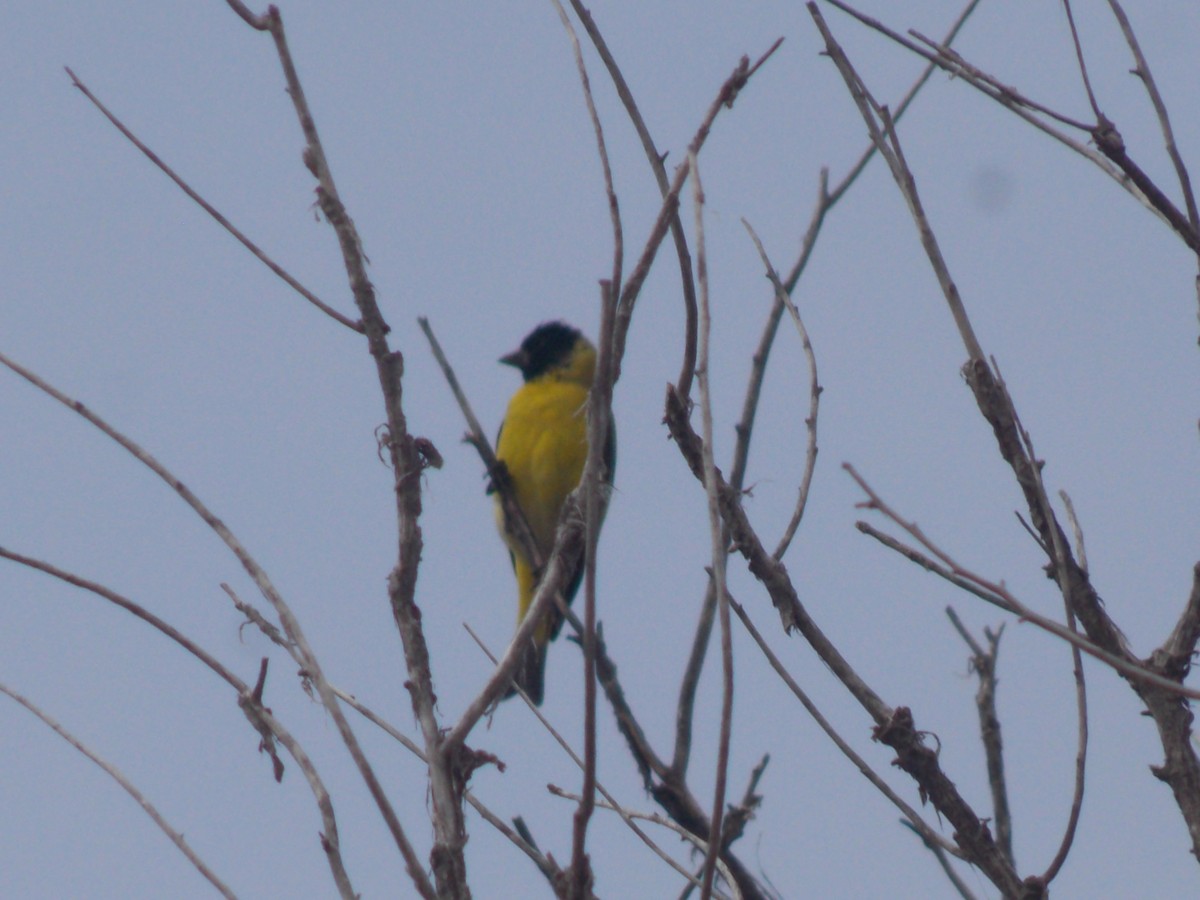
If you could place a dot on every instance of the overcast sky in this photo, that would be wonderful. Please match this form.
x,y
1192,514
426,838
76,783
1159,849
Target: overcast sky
x,y
461,145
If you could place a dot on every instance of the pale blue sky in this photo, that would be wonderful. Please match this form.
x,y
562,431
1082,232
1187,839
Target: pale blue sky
x,y
460,143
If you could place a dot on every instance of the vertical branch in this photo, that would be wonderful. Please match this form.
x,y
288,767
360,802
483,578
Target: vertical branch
x,y
446,790
1064,566
690,681
630,291
1068,838
826,200
717,533
1083,73
594,483
614,209
983,664
655,159
1160,108
1143,72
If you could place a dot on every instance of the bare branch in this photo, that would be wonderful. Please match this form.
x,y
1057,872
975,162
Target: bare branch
x,y
955,65
660,174
566,747
983,664
939,853
128,786
614,209
212,211
291,625
1018,104
1160,108
923,828
699,843
1087,82
690,681
446,785
826,200
881,126
594,484
814,397
998,595
716,532
1081,708
726,96
894,727
250,701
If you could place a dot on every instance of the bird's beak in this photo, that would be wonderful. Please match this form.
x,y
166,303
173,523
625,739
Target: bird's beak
x,y
516,359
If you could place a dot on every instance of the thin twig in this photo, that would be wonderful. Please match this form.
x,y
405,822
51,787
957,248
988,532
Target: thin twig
x,y
490,817
999,595
1081,708
919,825
690,681
566,748
212,211
614,209
827,199
128,786
291,625
983,664
626,813
250,701
726,96
814,396
900,109
1160,108
939,853
1083,73
655,159
881,126
515,523
716,532
1018,104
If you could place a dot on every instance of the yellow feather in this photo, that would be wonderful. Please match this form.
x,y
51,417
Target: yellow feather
x,y
543,444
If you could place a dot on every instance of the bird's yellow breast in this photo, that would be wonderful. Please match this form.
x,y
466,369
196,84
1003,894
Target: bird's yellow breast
x,y
544,446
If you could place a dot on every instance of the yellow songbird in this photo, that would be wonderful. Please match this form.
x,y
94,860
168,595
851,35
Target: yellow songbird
x,y
543,443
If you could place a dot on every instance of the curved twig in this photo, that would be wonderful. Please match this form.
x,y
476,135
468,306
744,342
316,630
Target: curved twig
x,y
291,625
660,174
814,397
212,211
726,96
129,787
250,701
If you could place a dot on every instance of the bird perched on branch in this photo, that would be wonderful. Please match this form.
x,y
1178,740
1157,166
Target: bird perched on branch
x,y
543,444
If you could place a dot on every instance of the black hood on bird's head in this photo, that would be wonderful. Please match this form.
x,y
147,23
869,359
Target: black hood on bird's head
x,y
547,346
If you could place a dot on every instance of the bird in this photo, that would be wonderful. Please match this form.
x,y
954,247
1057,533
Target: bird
x,y
543,445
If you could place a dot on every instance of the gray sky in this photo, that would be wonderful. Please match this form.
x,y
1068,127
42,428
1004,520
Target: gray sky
x,y
460,143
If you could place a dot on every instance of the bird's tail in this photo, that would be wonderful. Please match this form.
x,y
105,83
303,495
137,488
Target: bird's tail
x,y
531,672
